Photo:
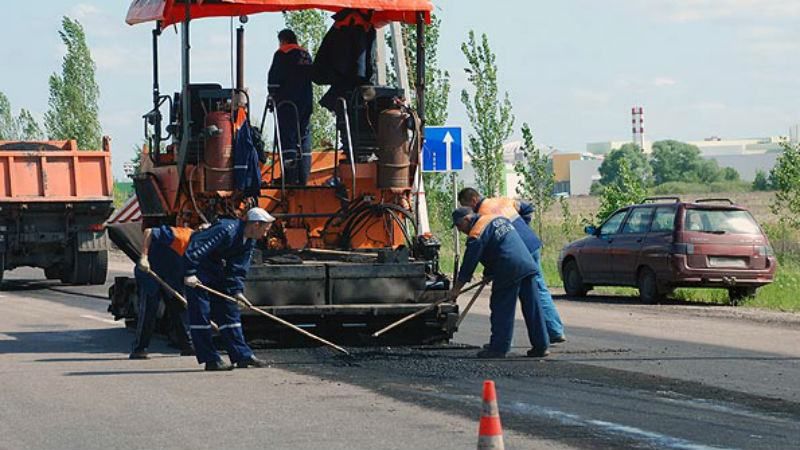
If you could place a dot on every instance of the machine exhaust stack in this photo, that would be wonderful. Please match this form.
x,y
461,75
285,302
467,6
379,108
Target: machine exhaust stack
x,y
240,58
637,112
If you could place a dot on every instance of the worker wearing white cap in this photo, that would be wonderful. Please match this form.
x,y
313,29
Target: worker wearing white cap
x,y
219,258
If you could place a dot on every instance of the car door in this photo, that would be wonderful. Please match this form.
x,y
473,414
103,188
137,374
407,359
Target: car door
x,y
626,245
594,260
655,252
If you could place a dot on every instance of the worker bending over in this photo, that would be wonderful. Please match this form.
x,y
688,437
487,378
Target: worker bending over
x,y
289,82
493,241
219,258
162,254
520,214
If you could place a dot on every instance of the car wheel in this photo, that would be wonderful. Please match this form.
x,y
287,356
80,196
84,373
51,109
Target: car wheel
x,y
573,280
648,287
738,295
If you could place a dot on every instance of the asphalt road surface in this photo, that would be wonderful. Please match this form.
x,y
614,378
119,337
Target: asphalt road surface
x,y
630,376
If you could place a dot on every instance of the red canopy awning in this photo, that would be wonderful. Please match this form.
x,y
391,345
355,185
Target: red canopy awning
x,y
173,11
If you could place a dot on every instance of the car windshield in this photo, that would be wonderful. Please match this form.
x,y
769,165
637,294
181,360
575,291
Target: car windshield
x,y
720,221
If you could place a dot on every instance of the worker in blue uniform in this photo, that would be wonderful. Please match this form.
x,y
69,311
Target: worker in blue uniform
x,y
494,242
520,214
162,254
219,258
289,83
345,62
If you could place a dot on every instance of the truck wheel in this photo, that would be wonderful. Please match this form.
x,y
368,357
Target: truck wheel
x,y
83,269
52,273
99,267
738,295
648,287
573,280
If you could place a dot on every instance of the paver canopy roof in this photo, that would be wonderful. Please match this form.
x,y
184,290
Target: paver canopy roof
x,y
173,11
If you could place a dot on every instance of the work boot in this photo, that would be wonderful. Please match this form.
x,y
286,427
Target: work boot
x,y
534,353
558,339
490,354
218,366
252,362
139,354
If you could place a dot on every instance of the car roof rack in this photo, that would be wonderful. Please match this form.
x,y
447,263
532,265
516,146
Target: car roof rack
x,y
661,199
715,200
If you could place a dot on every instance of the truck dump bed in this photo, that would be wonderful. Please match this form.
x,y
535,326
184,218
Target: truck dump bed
x,y
54,171
54,199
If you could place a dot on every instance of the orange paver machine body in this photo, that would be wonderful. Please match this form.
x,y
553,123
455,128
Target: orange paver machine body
x,y
345,252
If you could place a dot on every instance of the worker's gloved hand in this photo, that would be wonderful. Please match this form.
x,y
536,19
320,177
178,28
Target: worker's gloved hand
x,y
144,264
240,297
192,281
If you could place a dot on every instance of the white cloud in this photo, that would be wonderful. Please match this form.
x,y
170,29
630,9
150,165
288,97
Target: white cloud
x,y
699,10
664,82
84,11
591,97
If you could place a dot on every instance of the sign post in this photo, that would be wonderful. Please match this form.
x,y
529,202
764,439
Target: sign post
x,y
443,152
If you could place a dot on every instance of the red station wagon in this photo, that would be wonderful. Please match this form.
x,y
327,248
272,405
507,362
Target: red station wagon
x,y
665,243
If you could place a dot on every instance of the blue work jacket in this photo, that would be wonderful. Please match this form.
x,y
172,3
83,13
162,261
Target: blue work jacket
x,y
220,255
494,242
167,246
519,213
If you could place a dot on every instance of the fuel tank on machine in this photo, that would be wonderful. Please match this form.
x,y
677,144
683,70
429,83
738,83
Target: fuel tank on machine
x,y
394,155
218,152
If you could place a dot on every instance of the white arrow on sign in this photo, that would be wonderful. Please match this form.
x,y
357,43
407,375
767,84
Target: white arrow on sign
x,y
448,145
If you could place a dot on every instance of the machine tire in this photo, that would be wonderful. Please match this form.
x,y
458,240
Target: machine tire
x,y
82,272
53,273
648,287
738,295
99,269
573,280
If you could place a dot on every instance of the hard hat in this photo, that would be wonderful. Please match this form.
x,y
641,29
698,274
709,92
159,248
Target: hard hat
x,y
259,215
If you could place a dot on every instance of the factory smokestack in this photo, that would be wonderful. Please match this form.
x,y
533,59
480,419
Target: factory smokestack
x,y
637,114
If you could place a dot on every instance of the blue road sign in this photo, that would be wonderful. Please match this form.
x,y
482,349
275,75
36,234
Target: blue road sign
x,y
442,151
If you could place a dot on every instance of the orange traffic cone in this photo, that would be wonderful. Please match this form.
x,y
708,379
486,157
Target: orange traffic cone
x,y
490,432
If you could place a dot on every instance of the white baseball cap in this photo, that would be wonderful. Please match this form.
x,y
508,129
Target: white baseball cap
x,y
259,215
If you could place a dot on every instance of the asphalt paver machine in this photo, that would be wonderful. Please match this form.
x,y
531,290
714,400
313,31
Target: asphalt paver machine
x,y
349,252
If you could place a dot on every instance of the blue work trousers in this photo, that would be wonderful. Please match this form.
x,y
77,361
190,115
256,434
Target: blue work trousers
x,y
149,297
552,319
204,307
503,305
296,148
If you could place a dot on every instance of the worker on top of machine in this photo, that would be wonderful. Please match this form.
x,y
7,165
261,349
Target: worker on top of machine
x,y
162,254
494,242
345,61
289,82
219,257
520,214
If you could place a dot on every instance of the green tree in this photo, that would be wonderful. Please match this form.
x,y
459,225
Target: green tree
x,y
73,112
627,188
23,127
674,161
310,28
491,117
610,169
7,123
761,181
438,186
786,181
729,174
537,178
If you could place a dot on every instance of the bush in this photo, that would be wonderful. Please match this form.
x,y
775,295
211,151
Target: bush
x,y
679,187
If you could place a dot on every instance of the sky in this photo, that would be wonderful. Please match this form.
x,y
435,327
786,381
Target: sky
x,y
572,68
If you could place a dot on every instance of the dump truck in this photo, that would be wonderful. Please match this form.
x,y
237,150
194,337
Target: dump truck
x,y
54,200
349,252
